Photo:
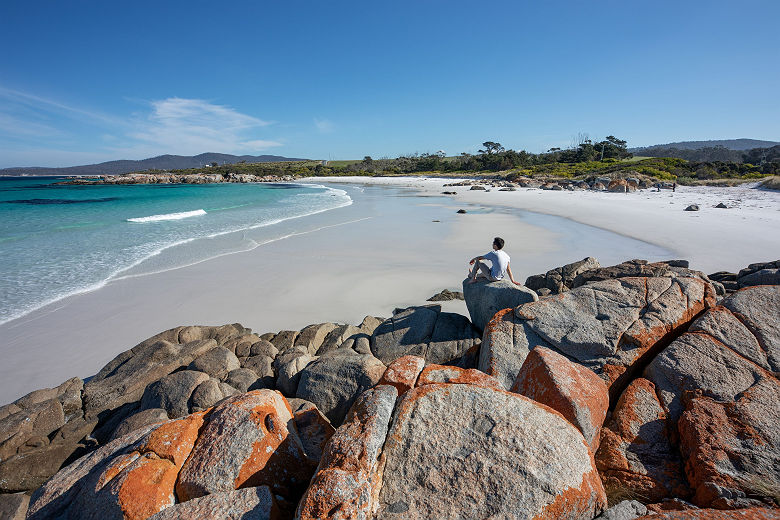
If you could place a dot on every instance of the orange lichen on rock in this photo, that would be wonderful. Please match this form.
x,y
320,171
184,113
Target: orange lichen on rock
x,y
147,488
635,456
349,473
728,454
455,375
402,373
573,390
174,440
577,502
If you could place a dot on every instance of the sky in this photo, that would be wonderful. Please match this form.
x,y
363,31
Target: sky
x,y
84,82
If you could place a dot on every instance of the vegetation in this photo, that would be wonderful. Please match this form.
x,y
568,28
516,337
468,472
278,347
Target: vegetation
x,y
586,159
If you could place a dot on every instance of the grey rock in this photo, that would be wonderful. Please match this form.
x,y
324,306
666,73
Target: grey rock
x,y
446,295
349,472
444,438
217,362
312,336
692,207
625,510
333,382
290,374
55,497
607,326
255,503
336,337
241,379
14,507
263,348
172,392
140,420
369,324
40,419
724,352
29,470
284,339
761,277
438,337
125,378
484,299
263,367
206,395
560,279
225,457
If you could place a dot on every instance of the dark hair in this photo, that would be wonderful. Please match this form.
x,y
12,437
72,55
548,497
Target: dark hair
x,y
499,242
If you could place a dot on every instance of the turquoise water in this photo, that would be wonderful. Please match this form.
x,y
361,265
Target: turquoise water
x,y
58,240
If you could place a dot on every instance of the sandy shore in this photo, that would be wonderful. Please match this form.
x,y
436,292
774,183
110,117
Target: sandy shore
x,y
399,243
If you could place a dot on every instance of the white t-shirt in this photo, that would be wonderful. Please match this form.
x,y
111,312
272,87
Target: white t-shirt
x,y
499,261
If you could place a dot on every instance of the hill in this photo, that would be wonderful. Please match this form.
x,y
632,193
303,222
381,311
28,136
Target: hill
x,y
731,144
162,162
728,150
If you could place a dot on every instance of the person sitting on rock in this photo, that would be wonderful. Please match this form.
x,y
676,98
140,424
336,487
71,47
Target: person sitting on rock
x,y
499,268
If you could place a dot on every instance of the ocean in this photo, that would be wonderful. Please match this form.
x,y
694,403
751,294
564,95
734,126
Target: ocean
x,y
58,240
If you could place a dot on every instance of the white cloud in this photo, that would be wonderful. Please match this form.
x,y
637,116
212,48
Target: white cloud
x,y
193,126
324,126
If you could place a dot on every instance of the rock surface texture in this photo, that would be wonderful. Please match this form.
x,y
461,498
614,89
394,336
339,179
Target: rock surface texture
x,y
248,441
484,299
454,450
612,327
719,380
571,389
427,332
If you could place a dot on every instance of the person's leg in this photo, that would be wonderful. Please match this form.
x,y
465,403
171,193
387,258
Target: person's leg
x,y
480,270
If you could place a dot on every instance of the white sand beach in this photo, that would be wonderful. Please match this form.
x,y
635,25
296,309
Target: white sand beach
x,y
399,243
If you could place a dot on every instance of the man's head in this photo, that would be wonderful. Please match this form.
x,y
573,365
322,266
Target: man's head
x,y
498,243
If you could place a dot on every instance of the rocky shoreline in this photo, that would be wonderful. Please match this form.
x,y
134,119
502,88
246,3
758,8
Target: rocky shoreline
x,y
173,178
592,392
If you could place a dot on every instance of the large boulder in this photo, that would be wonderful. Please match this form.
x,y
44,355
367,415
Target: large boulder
x,y
334,381
130,477
126,377
724,352
311,337
241,504
349,472
636,456
571,389
761,273
217,362
613,327
643,268
249,440
454,450
484,299
172,392
436,336
560,279
403,373
732,449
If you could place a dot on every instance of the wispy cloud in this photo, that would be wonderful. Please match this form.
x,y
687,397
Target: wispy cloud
x,y
191,126
30,124
324,126
10,97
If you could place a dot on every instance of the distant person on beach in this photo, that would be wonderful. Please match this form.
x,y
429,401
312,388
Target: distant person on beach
x,y
499,265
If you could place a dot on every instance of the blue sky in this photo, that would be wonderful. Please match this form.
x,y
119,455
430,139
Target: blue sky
x,y
84,82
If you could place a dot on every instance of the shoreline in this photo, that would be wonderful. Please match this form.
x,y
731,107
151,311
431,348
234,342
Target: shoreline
x,y
338,273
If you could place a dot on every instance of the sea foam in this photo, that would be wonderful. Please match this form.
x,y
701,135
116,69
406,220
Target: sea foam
x,y
168,216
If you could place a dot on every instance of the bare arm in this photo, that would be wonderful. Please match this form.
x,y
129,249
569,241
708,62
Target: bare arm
x,y
471,262
511,278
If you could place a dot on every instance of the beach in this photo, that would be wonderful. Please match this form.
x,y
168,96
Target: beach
x,y
398,243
